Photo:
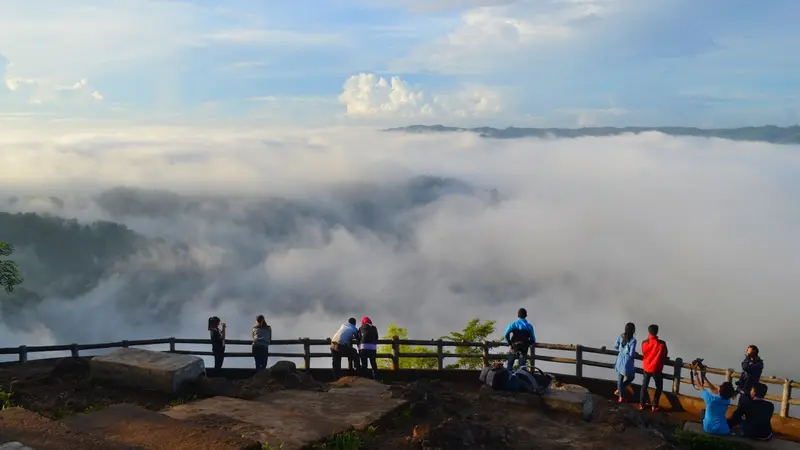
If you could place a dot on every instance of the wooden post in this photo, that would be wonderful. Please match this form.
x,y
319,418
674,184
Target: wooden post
x,y
73,348
787,395
23,354
440,354
307,353
395,353
676,375
485,354
579,361
172,345
533,356
124,344
729,375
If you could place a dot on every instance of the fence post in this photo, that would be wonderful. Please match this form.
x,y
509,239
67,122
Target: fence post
x,y
485,354
676,375
578,361
124,344
395,353
73,348
307,353
23,354
533,355
440,354
729,375
787,395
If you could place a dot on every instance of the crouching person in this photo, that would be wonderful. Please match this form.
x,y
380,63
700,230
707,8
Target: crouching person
x,y
342,346
754,415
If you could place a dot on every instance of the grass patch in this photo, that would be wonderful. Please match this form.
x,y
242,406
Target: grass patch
x,y
267,446
402,415
183,399
695,441
6,400
349,440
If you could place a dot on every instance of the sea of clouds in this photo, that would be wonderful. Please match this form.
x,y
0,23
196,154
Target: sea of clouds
x,y
311,227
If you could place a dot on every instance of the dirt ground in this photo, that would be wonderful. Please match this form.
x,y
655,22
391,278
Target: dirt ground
x,y
441,415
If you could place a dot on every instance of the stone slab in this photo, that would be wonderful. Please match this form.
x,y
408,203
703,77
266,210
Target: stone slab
x,y
567,398
295,419
135,427
147,369
774,443
41,433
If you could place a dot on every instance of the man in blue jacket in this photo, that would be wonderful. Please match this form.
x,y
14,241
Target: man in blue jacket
x,y
342,346
520,337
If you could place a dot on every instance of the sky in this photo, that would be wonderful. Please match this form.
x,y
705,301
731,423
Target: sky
x,y
564,63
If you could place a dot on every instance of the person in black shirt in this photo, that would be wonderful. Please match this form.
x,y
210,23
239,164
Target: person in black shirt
x,y
754,415
752,366
369,346
217,340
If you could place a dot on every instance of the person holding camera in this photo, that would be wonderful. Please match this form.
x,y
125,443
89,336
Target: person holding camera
x,y
752,367
717,401
216,329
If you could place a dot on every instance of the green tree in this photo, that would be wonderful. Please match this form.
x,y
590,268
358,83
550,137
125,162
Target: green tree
x,y
405,363
9,272
475,331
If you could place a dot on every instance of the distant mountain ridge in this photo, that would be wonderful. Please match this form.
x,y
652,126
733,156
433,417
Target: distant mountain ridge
x,y
768,133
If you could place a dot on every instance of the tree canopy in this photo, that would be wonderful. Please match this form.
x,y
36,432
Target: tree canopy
x,y
469,357
9,272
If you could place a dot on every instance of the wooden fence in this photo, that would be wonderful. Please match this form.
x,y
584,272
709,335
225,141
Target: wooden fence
x,y
677,365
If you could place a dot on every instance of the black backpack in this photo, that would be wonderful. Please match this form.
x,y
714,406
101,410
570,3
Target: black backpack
x,y
495,377
533,380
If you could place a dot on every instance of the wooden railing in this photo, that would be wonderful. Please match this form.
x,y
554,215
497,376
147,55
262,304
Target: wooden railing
x,y
677,365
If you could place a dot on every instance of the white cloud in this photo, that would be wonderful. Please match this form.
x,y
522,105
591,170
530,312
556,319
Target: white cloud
x,y
588,117
492,38
276,37
373,96
24,92
590,233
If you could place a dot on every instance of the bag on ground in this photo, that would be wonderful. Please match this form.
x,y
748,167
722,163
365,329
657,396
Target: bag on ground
x,y
533,380
495,377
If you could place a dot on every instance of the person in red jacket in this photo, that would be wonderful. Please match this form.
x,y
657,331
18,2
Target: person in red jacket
x,y
654,355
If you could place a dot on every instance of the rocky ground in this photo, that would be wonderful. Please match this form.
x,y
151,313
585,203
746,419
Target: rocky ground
x,y
440,415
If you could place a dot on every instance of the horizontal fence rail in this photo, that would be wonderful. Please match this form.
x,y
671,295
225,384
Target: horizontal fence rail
x,y
676,365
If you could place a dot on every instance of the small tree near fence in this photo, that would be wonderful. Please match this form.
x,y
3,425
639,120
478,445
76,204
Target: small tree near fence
x,y
475,331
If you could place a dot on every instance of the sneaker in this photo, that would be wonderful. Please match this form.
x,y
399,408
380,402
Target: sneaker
x,y
620,400
642,407
656,408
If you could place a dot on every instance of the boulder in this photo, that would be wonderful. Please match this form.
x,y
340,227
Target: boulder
x,y
14,446
147,369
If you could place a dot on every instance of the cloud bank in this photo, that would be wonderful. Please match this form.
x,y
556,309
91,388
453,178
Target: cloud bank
x,y
312,227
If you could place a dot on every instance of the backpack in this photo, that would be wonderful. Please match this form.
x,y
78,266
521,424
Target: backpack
x,y
536,382
495,377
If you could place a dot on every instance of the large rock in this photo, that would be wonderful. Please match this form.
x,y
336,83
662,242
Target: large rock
x,y
15,446
568,398
292,419
147,369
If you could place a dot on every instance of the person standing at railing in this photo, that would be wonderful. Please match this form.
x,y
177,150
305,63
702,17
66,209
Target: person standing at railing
x,y
752,367
369,346
262,336
626,344
520,337
342,346
217,340
654,356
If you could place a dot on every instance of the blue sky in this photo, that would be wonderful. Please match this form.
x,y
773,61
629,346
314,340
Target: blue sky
x,y
710,63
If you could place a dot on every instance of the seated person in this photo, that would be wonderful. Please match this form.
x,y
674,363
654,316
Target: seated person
x,y
717,402
754,415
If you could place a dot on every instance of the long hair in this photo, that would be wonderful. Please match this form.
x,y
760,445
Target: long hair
x,y
213,322
261,321
630,329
